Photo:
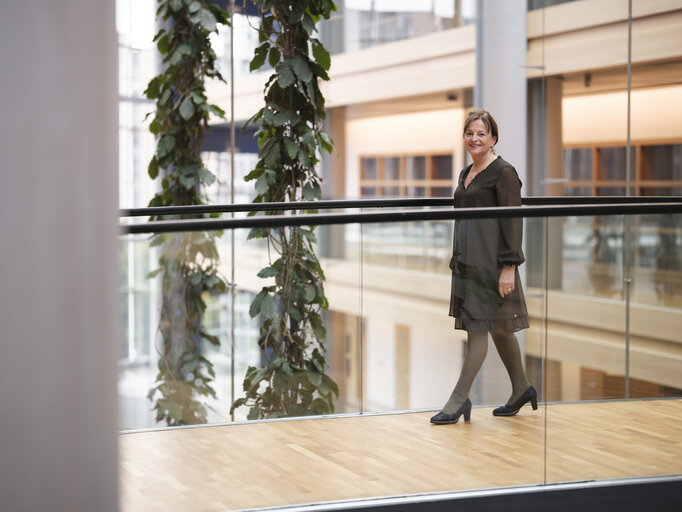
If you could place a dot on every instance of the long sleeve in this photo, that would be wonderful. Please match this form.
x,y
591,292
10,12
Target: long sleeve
x,y
508,193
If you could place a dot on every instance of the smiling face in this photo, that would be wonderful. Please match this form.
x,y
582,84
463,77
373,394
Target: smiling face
x,y
478,141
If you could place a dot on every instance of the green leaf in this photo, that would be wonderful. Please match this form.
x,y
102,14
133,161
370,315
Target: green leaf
x,y
309,235
180,52
206,19
321,55
327,142
315,378
174,410
291,147
274,56
309,293
318,329
285,74
175,5
237,403
254,413
300,66
152,90
308,192
194,7
165,96
217,111
303,158
153,273
166,145
258,60
295,313
268,272
187,108
262,185
308,24
256,303
153,169
253,118
283,117
163,45
206,176
197,97
257,233
214,340
268,307
158,239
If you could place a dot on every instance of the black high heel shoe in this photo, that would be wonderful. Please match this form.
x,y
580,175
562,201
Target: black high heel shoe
x,y
529,395
446,419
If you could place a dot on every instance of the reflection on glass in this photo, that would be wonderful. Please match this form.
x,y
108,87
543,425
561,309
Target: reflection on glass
x,y
611,191
578,164
577,191
369,169
367,23
612,163
442,167
392,176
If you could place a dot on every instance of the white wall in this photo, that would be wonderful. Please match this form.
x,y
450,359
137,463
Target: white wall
x,y
655,115
379,357
435,363
59,243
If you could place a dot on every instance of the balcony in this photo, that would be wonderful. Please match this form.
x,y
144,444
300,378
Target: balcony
x,y
603,287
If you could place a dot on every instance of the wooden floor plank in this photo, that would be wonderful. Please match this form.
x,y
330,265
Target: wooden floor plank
x,y
282,463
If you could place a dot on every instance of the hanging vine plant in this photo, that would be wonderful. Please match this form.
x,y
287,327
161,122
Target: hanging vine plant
x,y
188,264
293,381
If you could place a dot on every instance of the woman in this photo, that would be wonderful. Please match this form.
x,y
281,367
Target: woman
x,y
486,290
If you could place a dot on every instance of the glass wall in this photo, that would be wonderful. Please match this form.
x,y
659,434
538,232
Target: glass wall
x,y
391,346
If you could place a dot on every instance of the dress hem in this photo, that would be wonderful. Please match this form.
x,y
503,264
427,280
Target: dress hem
x,y
481,325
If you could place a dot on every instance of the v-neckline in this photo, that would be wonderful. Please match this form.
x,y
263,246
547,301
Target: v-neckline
x,y
467,187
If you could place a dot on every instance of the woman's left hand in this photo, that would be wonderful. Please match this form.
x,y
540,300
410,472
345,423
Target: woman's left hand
x,y
506,284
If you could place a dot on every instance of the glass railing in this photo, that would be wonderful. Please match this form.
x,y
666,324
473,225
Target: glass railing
x,y
603,288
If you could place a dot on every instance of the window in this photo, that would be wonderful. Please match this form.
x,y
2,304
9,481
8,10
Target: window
x,y
601,171
407,176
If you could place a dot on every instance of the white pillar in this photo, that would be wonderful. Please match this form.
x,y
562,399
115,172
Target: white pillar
x,y
58,254
501,74
501,89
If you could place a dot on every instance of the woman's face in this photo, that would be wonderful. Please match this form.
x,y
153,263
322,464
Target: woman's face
x,y
477,139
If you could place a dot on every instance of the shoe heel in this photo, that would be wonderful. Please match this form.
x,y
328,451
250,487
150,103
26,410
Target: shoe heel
x,y
467,415
534,402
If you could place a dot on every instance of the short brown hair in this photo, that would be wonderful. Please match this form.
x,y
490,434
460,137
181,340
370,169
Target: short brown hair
x,y
488,121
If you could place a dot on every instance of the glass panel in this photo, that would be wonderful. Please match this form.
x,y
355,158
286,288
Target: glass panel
x,y
392,174
415,168
442,191
595,354
662,162
366,23
144,299
442,167
656,308
578,164
369,168
610,191
612,163
577,191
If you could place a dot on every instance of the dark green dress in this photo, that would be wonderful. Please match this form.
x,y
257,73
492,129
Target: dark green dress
x,y
481,247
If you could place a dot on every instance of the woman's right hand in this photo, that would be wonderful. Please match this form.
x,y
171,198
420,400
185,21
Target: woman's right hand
x,y
507,278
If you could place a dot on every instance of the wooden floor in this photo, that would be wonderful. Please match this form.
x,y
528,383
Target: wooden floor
x,y
269,464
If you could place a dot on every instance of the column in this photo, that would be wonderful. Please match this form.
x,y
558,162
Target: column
x,y
58,278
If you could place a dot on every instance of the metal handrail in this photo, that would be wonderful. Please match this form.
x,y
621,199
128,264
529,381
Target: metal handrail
x,y
376,203
272,221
